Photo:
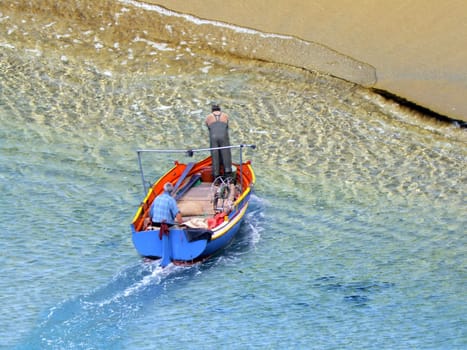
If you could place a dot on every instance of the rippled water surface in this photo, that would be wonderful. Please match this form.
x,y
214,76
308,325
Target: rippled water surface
x,y
355,237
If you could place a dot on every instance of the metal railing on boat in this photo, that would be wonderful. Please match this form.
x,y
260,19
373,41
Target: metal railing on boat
x,y
190,153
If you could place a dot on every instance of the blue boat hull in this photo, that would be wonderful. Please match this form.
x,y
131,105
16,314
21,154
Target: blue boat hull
x,y
176,247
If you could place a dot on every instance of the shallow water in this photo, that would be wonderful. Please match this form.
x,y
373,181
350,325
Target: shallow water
x,y
355,237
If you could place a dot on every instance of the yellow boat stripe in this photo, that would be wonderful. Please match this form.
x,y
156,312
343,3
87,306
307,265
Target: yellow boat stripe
x,y
224,229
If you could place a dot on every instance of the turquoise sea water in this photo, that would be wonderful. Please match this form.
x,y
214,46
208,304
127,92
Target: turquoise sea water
x,y
355,237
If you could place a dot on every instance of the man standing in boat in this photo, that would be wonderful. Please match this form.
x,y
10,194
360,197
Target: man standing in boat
x,y
218,126
164,209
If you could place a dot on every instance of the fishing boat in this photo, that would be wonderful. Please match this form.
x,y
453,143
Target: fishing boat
x,y
212,208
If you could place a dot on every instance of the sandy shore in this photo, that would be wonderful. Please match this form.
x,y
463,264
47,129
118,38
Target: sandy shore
x,y
418,48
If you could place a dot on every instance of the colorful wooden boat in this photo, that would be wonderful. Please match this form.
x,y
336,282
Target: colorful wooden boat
x,y
212,209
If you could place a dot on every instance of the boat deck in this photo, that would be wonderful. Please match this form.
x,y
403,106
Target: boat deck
x,y
197,201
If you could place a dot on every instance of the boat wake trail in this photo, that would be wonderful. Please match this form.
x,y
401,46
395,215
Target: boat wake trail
x,y
99,319
254,219
155,276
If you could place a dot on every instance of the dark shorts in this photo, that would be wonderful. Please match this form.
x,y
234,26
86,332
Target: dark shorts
x,y
158,224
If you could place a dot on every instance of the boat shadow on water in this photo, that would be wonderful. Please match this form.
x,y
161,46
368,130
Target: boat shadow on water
x,y
99,319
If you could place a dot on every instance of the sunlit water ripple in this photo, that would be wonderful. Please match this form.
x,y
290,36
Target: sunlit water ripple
x,y
355,237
